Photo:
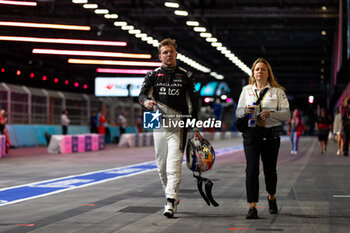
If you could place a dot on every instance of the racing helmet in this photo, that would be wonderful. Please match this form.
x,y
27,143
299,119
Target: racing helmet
x,y
200,155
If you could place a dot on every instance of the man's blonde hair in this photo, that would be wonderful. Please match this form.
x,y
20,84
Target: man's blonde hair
x,y
167,42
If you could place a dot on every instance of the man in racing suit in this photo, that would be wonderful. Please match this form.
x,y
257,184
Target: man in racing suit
x,y
170,89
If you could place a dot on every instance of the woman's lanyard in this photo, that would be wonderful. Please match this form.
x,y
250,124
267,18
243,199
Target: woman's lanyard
x,y
262,99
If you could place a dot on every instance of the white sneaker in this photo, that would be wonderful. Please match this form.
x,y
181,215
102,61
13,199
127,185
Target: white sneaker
x,y
338,152
169,208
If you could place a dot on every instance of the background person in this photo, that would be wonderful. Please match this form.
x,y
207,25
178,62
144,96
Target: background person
x,y
263,140
107,131
64,122
338,130
3,130
296,128
122,123
323,125
346,128
93,123
101,122
167,89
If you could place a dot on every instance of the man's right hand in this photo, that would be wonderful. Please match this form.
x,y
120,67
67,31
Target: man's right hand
x,y
150,104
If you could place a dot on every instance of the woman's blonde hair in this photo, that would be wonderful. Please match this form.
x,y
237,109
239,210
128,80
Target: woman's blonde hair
x,y
271,78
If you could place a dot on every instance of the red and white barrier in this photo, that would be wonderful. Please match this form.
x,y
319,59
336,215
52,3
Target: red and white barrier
x,y
2,146
65,144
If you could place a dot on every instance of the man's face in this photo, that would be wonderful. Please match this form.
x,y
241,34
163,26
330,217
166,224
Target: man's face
x,y
168,56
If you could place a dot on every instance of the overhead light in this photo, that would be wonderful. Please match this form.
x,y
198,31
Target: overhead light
x,y
44,25
226,52
220,77
221,48
155,43
112,62
192,23
144,38
101,11
181,13
199,29
323,32
192,63
111,16
127,27
324,8
18,3
149,40
205,34
134,31
91,53
216,44
223,97
90,6
311,99
79,1
120,23
62,41
122,71
172,4
141,35
211,39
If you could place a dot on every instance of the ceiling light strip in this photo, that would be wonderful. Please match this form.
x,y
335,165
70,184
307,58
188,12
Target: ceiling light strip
x,y
62,41
122,71
150,40
154,42
18,3
79,1
171,4
45,25
90,53
112,62
90,6
216,44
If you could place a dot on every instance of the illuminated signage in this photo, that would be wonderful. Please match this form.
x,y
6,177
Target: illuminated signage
x,y
118,86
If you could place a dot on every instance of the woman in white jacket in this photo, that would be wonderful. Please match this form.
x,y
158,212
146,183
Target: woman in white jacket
x,y
263,139
338,131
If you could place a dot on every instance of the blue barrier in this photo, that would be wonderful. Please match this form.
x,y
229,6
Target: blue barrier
x,y
34,135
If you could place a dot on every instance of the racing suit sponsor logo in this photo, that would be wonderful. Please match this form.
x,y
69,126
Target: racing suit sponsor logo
x,y
168,85
162,91
173,91
160,74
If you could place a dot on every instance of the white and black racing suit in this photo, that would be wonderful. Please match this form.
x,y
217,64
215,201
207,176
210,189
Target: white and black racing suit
x,y
174,92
